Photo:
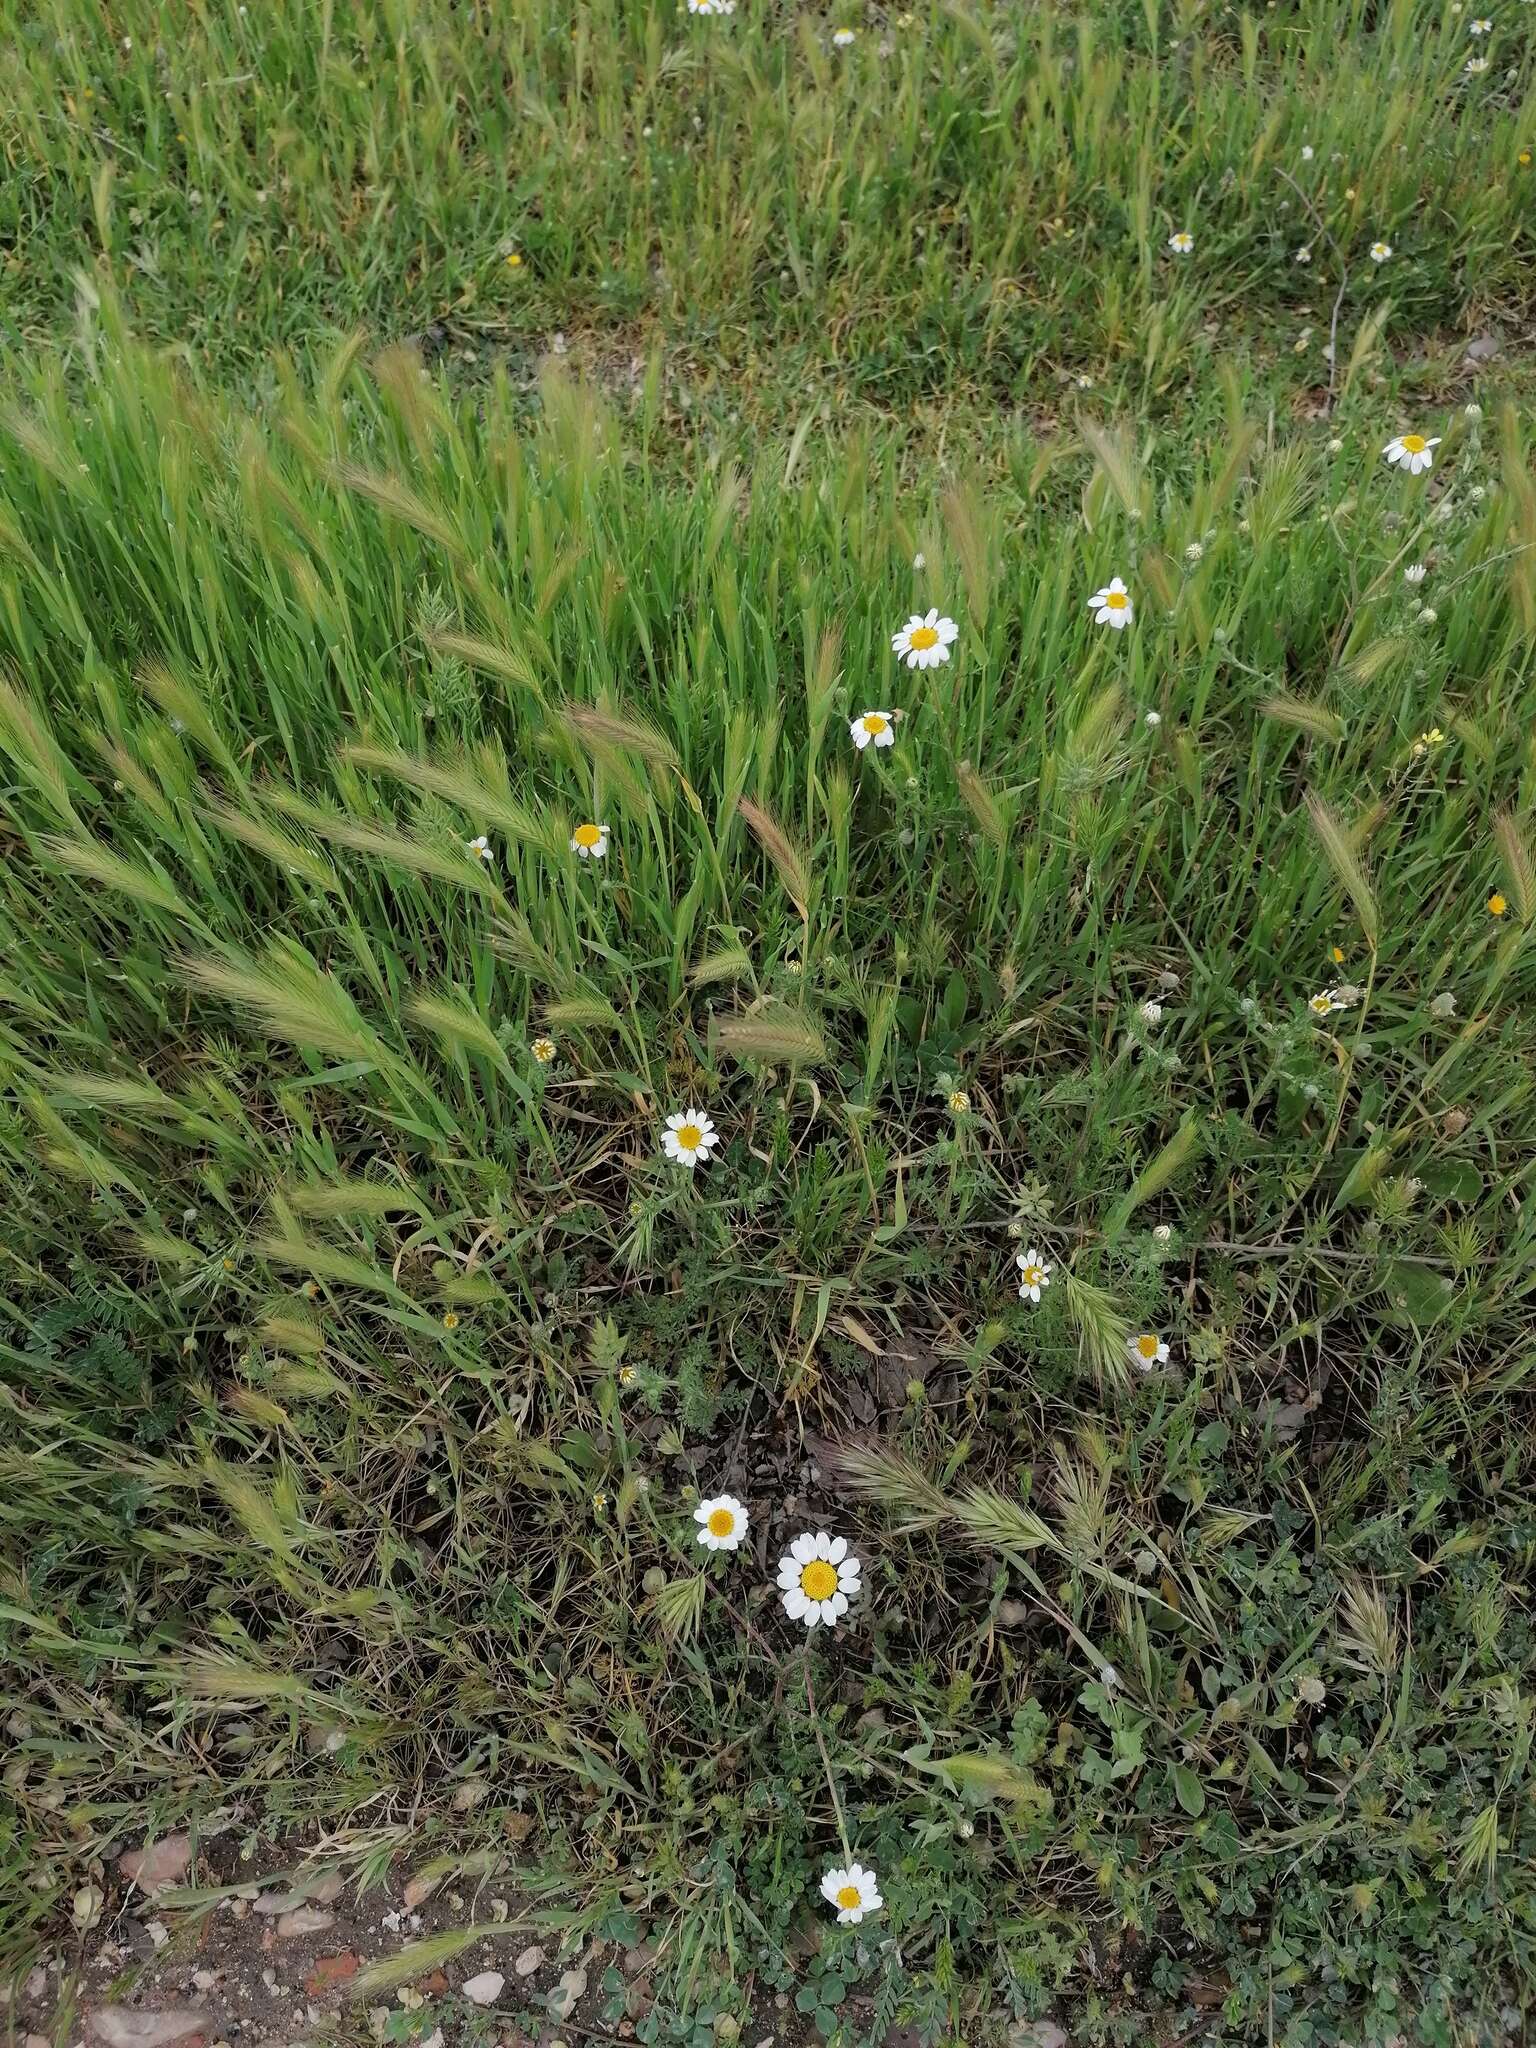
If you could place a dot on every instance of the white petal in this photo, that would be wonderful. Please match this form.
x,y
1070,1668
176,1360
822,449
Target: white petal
x,y
823,1544
836,1607
838,1550
931,617
795,1603
803,1549
948,631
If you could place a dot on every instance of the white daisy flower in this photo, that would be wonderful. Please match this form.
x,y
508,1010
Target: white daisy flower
x,y
1112,605
1303,255
722,1522
711,6
1151,1012
1482,26
543,1050
1477,64
1307,152
924,641
1034,1274
1380,251
1411,452
689,1137
873,728
842,37
818,1577
853,1891
1146,1350
480,848
1324,1003
1414,573
1181,241
590,841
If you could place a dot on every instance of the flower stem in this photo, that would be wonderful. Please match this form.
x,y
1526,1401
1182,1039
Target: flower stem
x,y
826,1761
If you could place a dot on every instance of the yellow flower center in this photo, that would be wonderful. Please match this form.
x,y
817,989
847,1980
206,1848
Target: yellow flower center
x,y
818,1581
1032,1276
848,1897
690,1137
924,637
872,721
587,835
1146,1346
1415,444
1115,600
721,1522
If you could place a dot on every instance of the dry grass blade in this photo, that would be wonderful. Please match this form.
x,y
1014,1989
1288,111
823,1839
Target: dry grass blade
x,y
998,1523
1518,864
349,1198
263,837
1367,1635
730,963
421,1958
983,805
679,1607
398,501
776,1033
457,783
1117,462
1311,718
1102,1331
388,843
452,1017
792,865
1158,1172
93,862
1374,660
486,655
877,1474
981,1777
290,998
323,1263
25,736
605,732
584,1013
1337,844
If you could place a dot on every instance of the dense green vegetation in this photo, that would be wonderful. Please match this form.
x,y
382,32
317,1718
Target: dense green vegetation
x,y
360,1370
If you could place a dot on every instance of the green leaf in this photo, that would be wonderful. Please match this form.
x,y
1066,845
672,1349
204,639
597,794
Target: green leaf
x,y
1415,1293
1188,1790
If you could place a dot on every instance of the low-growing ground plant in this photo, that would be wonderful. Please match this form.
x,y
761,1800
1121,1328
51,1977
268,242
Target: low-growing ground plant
x,y
605,976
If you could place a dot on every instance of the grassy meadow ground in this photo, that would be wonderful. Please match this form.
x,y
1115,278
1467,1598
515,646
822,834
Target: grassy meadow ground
x,y
425,422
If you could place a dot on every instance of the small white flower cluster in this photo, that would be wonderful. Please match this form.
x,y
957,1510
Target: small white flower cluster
x,y
818,1579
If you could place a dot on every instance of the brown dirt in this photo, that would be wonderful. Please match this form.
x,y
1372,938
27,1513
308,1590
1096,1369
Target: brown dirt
x,y
214,1954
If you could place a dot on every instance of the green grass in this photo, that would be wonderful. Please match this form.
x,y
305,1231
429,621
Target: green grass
x,y
358,1374
965,207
